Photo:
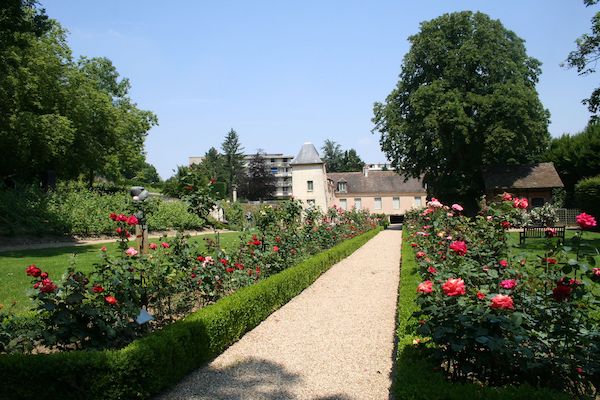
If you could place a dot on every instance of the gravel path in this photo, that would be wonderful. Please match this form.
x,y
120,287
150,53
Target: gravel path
x,y
334,341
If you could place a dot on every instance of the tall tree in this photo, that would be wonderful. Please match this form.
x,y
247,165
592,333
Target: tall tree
x,y
576,157
466,99
213,165
351,162
332,155
585,58
260,183
233,160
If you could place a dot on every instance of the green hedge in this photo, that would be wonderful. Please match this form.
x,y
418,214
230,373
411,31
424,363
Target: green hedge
x,y
587,196
414,375
156,362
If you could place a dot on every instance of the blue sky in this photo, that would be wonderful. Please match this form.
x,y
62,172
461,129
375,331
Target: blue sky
x,y
281,72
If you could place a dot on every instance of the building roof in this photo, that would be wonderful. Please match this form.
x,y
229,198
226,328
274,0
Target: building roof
x,y
533,176
307,155
376,182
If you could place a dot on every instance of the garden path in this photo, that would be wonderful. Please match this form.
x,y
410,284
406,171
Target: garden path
x,y
333,341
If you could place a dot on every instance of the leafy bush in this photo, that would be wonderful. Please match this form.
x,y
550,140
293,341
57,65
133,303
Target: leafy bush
x,y
417,377
545,215
153,363
501,320
172,214
587,195
234,215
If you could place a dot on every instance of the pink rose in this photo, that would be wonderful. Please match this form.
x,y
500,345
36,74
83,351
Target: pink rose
x,y
454,287
504,263
432,270
103,249
420,254
131,252
585,221
132,220
275,249
457,207
435,203
165,245
459,247
425,287
508,284
110,300
507,197
501,301
153,246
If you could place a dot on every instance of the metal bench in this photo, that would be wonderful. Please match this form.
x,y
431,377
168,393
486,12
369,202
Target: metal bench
x,y
536,232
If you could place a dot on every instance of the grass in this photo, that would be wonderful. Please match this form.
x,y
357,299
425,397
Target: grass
x,y
14,283
535,247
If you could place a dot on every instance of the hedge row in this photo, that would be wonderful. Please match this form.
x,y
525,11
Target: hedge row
x,y
415,377
156,362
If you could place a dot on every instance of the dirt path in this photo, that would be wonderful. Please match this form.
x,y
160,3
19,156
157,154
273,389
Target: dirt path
x,y
86,242
333,341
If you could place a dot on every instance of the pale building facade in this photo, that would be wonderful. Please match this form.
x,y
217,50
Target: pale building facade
x,y
382,192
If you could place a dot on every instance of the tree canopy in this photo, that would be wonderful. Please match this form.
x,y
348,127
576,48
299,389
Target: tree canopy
x,y
73,117
260,183
233,160
338,160
465,99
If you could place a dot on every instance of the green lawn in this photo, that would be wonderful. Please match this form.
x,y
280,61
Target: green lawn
x,y
14,283
535,247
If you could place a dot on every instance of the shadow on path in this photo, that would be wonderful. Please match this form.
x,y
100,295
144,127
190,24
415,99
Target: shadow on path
x,y
250,379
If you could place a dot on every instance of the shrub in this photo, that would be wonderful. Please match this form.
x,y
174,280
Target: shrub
x,y
153,363
502,320
587,195
172,214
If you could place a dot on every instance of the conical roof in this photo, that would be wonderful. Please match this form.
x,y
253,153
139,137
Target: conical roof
x,y
307,155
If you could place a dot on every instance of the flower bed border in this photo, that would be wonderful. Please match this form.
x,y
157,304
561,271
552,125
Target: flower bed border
x,y
414,377
159,360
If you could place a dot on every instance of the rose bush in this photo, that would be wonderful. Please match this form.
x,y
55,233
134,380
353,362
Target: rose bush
x,y
499,319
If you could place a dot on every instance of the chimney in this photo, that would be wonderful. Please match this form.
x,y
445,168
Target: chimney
x,y
366,170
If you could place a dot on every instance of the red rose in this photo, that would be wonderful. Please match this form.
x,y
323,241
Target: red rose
x,y
193,276
413,245
132,220
103,249
47,286
425,287
200,258
549,260
121,218
34,271
459,247
454,287
119,230
432,270
239,266
480,295
257,270
504,263
165,245
501,301
507,197
113,216
44,275
224,261
275,249
585,221
110,300
153,246
97,289
420,254
505,224
229,269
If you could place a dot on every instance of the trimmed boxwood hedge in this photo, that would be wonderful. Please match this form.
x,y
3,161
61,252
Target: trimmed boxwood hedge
x,y
156,362
414,376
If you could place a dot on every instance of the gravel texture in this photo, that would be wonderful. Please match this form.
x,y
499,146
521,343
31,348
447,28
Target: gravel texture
x,y
333,341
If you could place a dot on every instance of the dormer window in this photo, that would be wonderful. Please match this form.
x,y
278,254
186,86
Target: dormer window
x,y
341,187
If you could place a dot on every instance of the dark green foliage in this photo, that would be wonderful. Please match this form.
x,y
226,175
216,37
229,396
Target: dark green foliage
x,y
587,196
576,157
415,377
466,99
338,160
260,182
154,363
233,160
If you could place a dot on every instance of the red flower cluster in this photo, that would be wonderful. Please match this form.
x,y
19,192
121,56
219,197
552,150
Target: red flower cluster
x,y
44,284
585,221
425,287
153,246
520,203
503,263
110,300
97,289
508,284
505,224
165,245
254,241
459,247
564,288
34,271
454,287
549,260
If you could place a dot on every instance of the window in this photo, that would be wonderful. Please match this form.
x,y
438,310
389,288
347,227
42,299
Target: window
x,y
343,204
396,203
309,186
417,201
378,203
272,160
341,187
273,170
311,202
357,203
537,202
285,160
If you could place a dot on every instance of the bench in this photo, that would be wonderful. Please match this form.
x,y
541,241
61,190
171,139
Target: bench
x,y
536,232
